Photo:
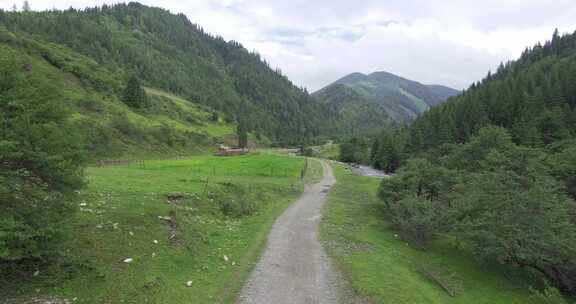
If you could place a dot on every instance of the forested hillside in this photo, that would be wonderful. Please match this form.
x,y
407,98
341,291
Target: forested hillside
x,y
493,169
357,114
169,52
533,97
106,119
402,99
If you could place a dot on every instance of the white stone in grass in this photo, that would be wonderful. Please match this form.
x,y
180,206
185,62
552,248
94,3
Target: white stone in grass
x,y
131,233
225,258
155,241
189,284
128,260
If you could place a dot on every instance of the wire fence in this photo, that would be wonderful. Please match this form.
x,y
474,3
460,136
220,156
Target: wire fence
x,y
139,163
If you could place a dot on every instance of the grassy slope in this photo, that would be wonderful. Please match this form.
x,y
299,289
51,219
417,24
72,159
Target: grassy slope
x,y
328,151
112,129
419,103
119,219
384,269
214,129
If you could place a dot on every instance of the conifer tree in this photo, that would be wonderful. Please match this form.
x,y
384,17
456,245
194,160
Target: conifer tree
x,y
242,132
26,6
134,95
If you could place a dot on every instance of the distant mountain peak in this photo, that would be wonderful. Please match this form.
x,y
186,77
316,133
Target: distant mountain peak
x,y
401,98
351,78
386,75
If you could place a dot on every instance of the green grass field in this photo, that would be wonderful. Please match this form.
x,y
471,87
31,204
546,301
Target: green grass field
x,y
328,151
384,269
203,219
216,129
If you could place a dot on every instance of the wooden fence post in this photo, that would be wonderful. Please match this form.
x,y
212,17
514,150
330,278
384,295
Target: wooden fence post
x,y
206,185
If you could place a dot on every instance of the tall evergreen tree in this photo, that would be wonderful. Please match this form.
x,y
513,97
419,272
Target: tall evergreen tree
x,y
242,132
26,6
134,95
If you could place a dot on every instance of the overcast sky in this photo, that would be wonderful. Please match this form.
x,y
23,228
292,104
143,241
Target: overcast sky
x,y
315,42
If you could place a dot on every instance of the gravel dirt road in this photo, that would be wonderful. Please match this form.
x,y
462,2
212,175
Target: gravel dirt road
x,y
294,267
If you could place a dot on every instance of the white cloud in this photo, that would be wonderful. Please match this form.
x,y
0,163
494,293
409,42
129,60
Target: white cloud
x,y
454,42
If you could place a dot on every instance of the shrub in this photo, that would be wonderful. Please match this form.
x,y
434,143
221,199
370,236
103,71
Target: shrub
x,y
235,201
214,117
548,295
91,105
416,219
499,200
238,207
126,127
354,151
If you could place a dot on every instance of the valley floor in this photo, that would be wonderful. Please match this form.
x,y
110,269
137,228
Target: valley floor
x,y
171,231
192,231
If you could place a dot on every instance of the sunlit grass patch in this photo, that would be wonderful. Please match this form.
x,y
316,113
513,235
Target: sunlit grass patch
x,y
171,231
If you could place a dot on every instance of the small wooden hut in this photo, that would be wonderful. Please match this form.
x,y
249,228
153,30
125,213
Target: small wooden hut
x,y
227,151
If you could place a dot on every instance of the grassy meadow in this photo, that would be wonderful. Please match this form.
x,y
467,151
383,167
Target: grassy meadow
x,y
170,231
329,150
384,269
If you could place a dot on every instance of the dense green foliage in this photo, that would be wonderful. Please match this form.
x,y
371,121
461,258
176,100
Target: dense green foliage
x,y
167,51
388,151
533,97
354,150
499,199
134,95
395,99
41,163
494,167
357,115
383,269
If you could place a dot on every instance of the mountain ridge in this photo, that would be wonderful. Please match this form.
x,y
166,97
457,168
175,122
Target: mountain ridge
x,y
402,99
